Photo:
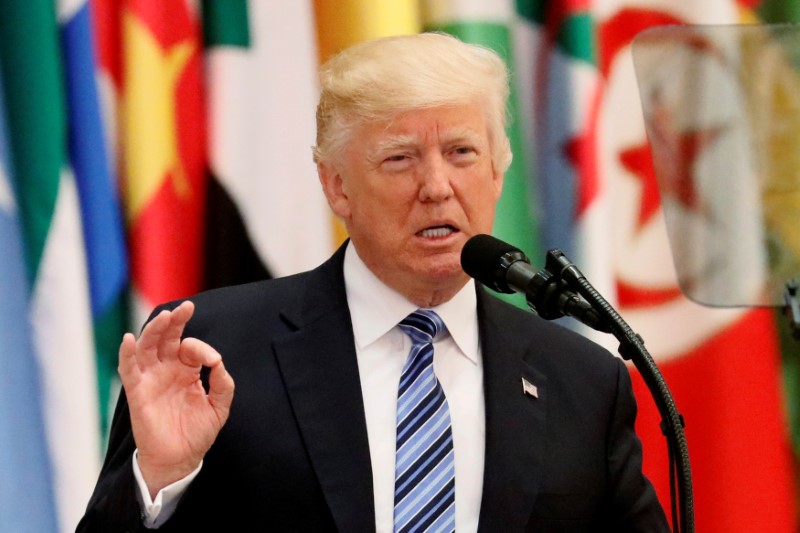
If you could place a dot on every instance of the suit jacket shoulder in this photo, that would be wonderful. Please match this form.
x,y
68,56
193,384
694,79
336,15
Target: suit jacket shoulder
x,y
565,457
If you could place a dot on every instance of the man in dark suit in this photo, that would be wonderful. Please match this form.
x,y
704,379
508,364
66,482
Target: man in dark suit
x,y
342,418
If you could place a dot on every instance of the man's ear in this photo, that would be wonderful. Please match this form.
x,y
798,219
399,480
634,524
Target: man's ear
x,y
333,187
497,181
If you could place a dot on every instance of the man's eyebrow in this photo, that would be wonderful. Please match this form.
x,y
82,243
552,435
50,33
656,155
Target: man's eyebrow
x,y
461,135
395,142
385,146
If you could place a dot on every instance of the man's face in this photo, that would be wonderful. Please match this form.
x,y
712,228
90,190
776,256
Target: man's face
x,y
411,191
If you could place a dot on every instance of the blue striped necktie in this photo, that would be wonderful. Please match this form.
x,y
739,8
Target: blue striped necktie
x,y
424,490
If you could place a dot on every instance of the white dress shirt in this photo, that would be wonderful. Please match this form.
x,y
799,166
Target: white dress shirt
x,y
382,349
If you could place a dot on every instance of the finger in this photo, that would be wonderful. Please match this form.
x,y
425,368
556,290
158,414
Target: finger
x,y
196,353
169,343
128,367
148,344
220,391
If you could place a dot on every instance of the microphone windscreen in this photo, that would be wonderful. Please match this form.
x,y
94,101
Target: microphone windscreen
x,y
482,259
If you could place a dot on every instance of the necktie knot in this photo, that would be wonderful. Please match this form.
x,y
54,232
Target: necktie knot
x,y
423,325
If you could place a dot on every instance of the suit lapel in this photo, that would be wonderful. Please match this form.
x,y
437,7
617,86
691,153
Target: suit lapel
x,y
515,419
319,367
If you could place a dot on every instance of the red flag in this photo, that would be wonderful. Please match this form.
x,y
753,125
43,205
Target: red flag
x,y
152,54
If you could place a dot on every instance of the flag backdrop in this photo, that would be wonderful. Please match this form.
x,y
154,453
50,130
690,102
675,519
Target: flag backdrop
x,y
597,176
169,144
99,200
24,460
594,164
49,213
265,207
162,140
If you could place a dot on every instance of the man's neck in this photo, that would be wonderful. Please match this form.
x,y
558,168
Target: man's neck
x,y
434,297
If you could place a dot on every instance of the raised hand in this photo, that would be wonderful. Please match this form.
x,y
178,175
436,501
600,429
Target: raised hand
x,y
174,421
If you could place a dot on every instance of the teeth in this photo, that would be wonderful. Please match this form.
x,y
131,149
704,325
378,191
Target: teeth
x,y
432,233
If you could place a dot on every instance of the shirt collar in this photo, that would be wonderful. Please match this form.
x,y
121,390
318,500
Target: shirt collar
x,y
376,308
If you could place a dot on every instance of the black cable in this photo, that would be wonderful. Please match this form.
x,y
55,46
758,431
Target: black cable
x,y
672,486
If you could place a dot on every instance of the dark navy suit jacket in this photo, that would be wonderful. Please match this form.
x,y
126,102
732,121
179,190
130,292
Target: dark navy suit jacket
x,y
294,455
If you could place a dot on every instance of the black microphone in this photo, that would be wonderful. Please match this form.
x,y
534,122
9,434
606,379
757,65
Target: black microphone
x,y
505,268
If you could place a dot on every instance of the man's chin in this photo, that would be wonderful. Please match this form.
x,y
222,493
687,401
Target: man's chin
x,y
443,269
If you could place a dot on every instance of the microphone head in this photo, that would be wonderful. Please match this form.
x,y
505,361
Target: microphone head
x,y
487,259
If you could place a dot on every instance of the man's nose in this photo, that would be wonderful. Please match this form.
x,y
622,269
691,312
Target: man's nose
x,y
435,180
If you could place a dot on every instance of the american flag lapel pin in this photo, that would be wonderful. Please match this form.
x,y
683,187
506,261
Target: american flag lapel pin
x,y
529,388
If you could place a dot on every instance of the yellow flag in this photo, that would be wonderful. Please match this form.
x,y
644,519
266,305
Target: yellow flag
x,y
342,23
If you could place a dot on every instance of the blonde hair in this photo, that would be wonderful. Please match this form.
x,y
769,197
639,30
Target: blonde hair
x,y
378,79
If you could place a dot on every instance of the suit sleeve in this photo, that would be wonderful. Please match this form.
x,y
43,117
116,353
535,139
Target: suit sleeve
x,y
113,506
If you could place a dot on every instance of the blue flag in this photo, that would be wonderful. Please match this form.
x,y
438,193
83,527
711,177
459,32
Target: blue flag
x,y
101,212
26,493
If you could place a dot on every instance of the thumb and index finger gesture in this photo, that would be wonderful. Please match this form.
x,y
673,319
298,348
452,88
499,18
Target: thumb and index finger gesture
x,y
174,421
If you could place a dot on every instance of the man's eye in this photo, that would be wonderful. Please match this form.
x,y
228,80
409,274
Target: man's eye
x,y
397,157
464,154
463,150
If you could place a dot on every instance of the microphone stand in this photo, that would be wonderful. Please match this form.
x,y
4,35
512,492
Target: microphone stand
x,y
792,307
632,348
